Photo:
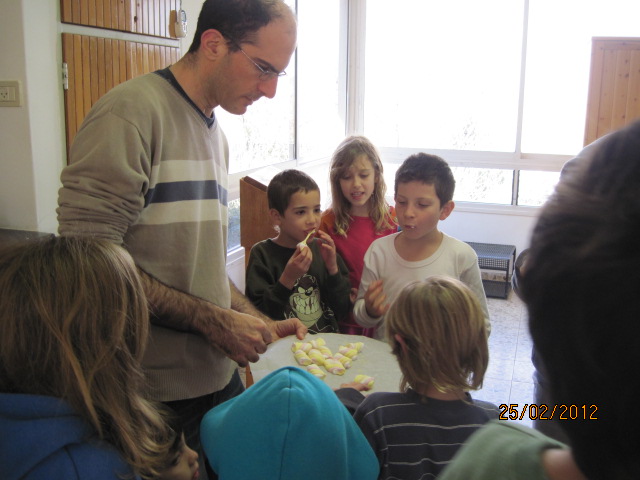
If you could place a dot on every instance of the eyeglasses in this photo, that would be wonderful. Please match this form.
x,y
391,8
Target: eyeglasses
x,y
265,74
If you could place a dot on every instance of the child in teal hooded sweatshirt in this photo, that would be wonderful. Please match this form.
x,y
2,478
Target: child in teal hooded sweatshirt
x,y
288,426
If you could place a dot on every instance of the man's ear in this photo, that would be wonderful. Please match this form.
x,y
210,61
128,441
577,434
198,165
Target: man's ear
x,y
447,209
213,44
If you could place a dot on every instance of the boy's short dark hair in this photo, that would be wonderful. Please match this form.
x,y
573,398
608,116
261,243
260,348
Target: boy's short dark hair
x,y
428,169
284,184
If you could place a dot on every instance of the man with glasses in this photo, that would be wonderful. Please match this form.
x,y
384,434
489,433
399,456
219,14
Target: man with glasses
x,y
148,170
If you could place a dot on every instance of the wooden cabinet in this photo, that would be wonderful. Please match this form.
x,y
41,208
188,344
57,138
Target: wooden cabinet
x,y
99,60
147,17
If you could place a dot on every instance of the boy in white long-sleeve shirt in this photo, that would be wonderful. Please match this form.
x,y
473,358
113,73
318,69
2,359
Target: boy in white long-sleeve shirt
x,y
423,191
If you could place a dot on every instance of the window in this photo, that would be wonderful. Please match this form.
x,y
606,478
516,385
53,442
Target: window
x,y
445,75
558,65
306,119
497,88
536,186
322,73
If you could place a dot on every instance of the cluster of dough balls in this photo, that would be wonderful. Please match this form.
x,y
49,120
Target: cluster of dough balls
x,y
315,354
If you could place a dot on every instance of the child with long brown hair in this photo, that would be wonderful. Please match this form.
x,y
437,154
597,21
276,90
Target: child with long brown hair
x,y
437,331
73,328
359,212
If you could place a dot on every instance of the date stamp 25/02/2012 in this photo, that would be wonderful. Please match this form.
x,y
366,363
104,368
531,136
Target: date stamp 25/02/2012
x,y
543,411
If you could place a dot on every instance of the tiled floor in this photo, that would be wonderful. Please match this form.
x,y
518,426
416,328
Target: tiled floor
x,y
509,377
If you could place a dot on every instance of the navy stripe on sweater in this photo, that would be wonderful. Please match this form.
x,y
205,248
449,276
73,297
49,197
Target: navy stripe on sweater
x,y
187,190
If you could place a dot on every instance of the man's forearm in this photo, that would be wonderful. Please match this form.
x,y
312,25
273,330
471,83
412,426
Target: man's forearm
x,y
241,303
178,310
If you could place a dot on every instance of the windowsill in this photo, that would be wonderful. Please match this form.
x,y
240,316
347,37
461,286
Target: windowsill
x,y
494,209
234,255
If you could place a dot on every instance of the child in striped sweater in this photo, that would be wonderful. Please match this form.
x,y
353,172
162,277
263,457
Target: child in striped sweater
x,y
436,328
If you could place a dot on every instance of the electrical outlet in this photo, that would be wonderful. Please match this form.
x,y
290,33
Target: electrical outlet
x,y
9,93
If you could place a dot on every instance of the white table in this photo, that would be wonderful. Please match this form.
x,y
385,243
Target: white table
x,y
375,360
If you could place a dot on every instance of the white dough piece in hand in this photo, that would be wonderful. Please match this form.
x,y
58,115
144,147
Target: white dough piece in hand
x,y
303,244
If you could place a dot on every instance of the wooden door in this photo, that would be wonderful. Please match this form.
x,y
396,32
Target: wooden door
x,y
614,86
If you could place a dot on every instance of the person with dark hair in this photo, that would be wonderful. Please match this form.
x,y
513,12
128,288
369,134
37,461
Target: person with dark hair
x,y
581,290
423,192
148,169
550,427
298,273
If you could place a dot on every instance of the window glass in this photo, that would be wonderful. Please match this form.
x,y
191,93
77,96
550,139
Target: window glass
x,y
558,67
443,75
264,134
233,237
535,187
483,185
322,65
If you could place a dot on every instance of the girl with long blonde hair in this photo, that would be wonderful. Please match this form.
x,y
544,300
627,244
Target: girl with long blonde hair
x,y
359,212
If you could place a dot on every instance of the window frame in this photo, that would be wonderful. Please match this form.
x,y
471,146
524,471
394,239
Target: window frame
x,y
515,161
353,49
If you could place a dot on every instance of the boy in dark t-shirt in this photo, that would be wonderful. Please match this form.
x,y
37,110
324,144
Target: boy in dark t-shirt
x,y
298,273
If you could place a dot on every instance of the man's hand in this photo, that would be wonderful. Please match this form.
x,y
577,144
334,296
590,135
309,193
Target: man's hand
x,y
283,328
243,337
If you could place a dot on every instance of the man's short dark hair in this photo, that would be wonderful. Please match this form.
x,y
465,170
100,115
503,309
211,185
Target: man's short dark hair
x,y
237,20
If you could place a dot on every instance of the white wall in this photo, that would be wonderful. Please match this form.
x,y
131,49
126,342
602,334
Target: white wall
x,y
490,228
32,138
17,193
